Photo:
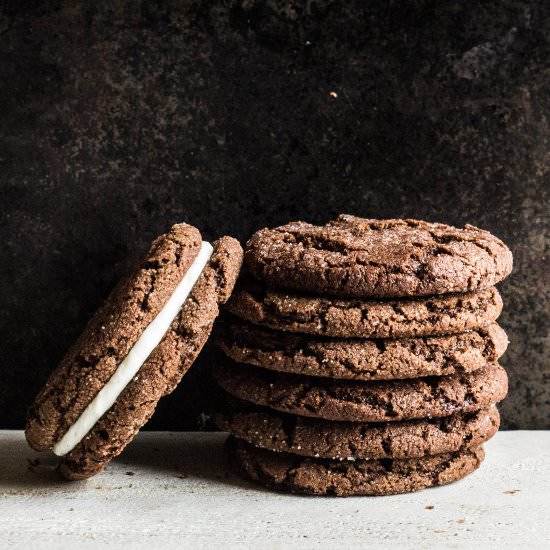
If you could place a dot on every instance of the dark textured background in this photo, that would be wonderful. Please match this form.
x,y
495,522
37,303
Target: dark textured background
x,y
118,119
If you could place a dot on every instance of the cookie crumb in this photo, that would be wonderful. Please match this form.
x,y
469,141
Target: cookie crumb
x,y
429,507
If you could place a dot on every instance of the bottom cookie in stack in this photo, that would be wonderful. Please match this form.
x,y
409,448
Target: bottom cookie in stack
x,y
324,476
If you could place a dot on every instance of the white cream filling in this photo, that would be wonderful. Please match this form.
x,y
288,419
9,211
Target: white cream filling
x,y
128,368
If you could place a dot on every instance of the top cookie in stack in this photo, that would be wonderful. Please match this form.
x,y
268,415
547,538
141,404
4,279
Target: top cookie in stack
x,y
373,341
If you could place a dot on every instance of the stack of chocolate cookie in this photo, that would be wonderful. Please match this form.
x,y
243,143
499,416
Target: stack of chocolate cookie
x,y
362,356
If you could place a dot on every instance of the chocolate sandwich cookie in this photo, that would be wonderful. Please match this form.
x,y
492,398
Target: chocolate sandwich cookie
x,y
359,257
133,351
353,318
300,435
318,476
360,359
355,401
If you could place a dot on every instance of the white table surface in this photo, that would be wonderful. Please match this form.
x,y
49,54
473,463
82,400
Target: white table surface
x,y
171,490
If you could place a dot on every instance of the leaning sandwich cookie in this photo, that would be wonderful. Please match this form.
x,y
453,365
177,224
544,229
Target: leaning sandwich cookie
x,y
134,350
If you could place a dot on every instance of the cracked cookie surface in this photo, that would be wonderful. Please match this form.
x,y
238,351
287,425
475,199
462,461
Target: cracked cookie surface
x,y
353,318
359,401
112,332
282,432
318,476
359,257
361,359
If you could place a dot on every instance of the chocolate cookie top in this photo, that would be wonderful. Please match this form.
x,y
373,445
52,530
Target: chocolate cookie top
x,y
277,431
112,333
355,401
359,257
360,359
352,318
318,476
